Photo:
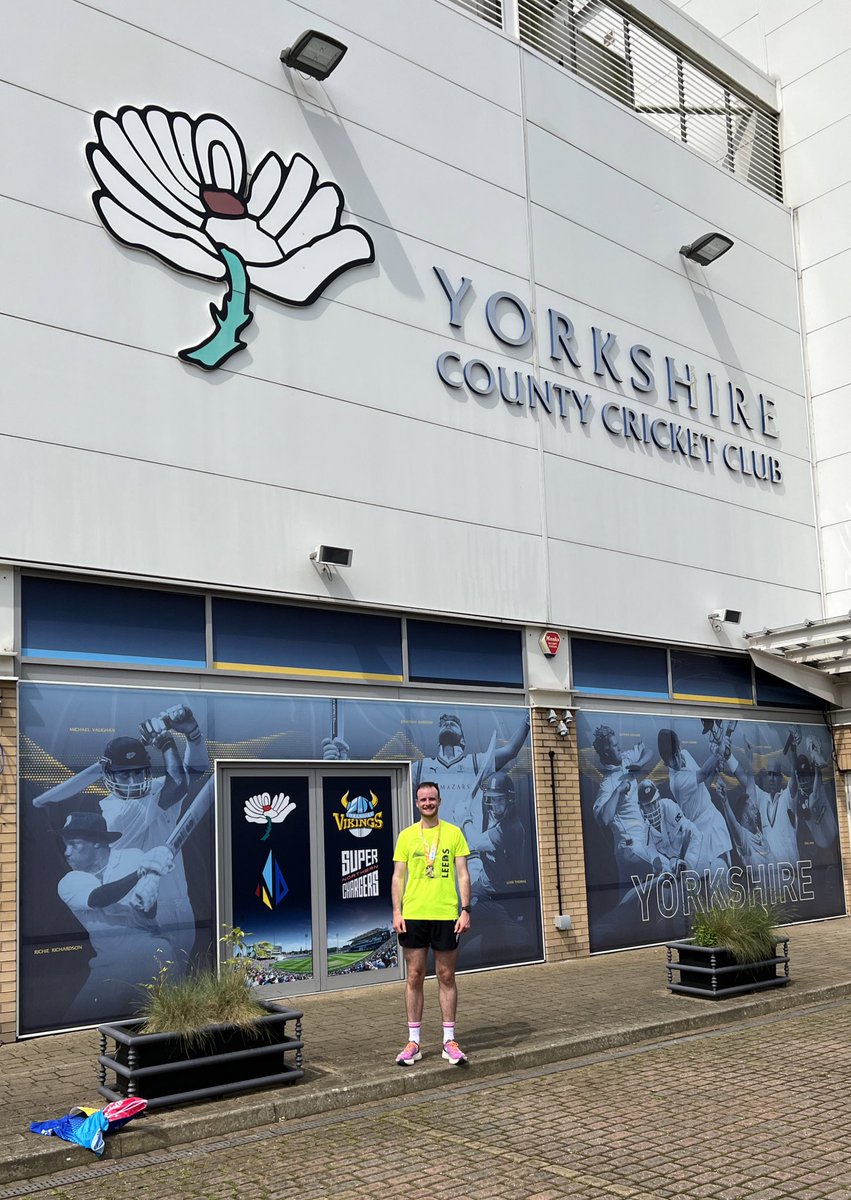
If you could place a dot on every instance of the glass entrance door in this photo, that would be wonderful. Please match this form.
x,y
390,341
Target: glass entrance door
x,y
305,861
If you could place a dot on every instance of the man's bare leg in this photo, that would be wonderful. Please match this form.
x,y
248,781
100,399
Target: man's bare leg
x,y
444,965
415,969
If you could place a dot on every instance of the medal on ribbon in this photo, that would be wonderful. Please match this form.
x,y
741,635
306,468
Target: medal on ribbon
x,y
430,851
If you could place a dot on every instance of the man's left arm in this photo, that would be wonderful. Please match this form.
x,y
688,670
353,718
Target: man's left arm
x,y
462,874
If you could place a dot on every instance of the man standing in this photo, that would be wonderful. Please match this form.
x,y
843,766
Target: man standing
x,y
431,853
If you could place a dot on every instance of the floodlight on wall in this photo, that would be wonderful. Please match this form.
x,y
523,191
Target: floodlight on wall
x,y
314,54
704,250
724,616
327,558
552,718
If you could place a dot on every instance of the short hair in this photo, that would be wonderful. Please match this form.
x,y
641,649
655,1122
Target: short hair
x,y
426,783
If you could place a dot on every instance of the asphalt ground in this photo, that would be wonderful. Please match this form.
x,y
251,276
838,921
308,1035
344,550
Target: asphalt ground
x,y
523,1019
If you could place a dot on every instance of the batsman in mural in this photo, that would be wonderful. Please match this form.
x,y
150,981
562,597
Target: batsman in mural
x,y
679,813
127,821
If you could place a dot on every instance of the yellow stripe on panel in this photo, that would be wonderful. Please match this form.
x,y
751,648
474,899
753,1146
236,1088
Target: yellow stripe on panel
x,y
316,671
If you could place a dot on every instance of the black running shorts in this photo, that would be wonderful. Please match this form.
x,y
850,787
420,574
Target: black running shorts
x,y
422,935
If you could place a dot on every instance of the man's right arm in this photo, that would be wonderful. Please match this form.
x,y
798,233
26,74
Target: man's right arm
x,y
397,890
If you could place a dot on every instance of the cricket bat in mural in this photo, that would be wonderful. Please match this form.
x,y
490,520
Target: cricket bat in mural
x,y
334,746
70,787
144,894
192,818
336,721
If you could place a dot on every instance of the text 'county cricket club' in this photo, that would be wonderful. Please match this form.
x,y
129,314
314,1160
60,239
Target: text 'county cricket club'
x,y
178,187
359,815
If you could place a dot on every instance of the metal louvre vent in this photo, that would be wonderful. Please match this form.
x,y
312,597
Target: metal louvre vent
x,y
600,44
488,10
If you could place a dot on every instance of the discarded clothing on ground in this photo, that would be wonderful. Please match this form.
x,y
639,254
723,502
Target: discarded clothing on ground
x,y
86,1126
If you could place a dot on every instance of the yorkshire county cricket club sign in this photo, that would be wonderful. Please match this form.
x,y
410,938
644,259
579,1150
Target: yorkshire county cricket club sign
x,y
179,188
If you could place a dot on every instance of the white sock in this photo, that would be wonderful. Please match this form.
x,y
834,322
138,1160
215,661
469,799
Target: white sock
x,y
448,1033
414,1033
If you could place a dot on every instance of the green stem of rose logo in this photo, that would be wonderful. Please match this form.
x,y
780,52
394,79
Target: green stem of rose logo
x,y
230,319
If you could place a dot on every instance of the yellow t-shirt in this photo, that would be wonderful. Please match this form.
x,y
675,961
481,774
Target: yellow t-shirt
x,y
430,899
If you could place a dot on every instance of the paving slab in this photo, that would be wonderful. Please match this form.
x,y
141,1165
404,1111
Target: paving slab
x,y
508,1019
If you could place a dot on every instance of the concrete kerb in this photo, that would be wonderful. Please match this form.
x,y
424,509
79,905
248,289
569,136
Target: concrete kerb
x,y
167,1130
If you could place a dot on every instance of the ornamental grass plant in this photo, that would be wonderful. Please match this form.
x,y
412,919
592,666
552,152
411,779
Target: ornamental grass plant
x,y
201,998
748,930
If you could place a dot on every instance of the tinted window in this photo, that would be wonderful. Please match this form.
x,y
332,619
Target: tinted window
x,y
99,623
615,669
713,677
775,692
439,652
282,639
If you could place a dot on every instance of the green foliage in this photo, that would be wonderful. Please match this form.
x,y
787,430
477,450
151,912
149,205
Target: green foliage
x,y
201,997
747,930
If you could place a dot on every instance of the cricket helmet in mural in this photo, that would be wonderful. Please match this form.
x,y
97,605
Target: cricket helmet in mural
x,y
126,767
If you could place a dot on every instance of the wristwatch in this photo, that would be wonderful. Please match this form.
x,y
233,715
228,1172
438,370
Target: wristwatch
x,y
467,908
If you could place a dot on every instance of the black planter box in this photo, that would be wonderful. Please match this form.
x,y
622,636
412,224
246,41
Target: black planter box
x,y
713,973
162,1069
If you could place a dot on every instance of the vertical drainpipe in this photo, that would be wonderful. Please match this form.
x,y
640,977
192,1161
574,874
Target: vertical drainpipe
x,y
552,755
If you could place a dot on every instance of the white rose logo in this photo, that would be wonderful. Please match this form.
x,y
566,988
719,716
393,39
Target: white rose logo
x,y
267,810
179,188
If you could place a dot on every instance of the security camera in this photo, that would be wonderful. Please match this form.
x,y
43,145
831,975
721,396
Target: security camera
x,y
332,556
730,616
551,716
724,616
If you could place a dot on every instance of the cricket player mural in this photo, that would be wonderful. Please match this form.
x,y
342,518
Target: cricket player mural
x,y
678,812
117,869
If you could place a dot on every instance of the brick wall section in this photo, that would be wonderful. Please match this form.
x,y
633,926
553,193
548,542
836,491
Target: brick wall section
x,y
8,857
842,746
574,943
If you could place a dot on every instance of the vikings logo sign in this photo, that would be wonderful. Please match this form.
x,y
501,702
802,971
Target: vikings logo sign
x,y
179,188
359,815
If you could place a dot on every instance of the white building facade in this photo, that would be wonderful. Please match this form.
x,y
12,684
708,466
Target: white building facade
x,y
431,313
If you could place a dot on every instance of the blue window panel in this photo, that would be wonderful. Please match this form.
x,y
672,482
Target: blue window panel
x,y
716,678
94,622
776,693
280,639
615,669
439,652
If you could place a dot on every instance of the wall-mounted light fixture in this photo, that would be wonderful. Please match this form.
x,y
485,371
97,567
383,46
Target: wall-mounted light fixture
x,y
327,558
706,249
552,717
314,53
724,616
